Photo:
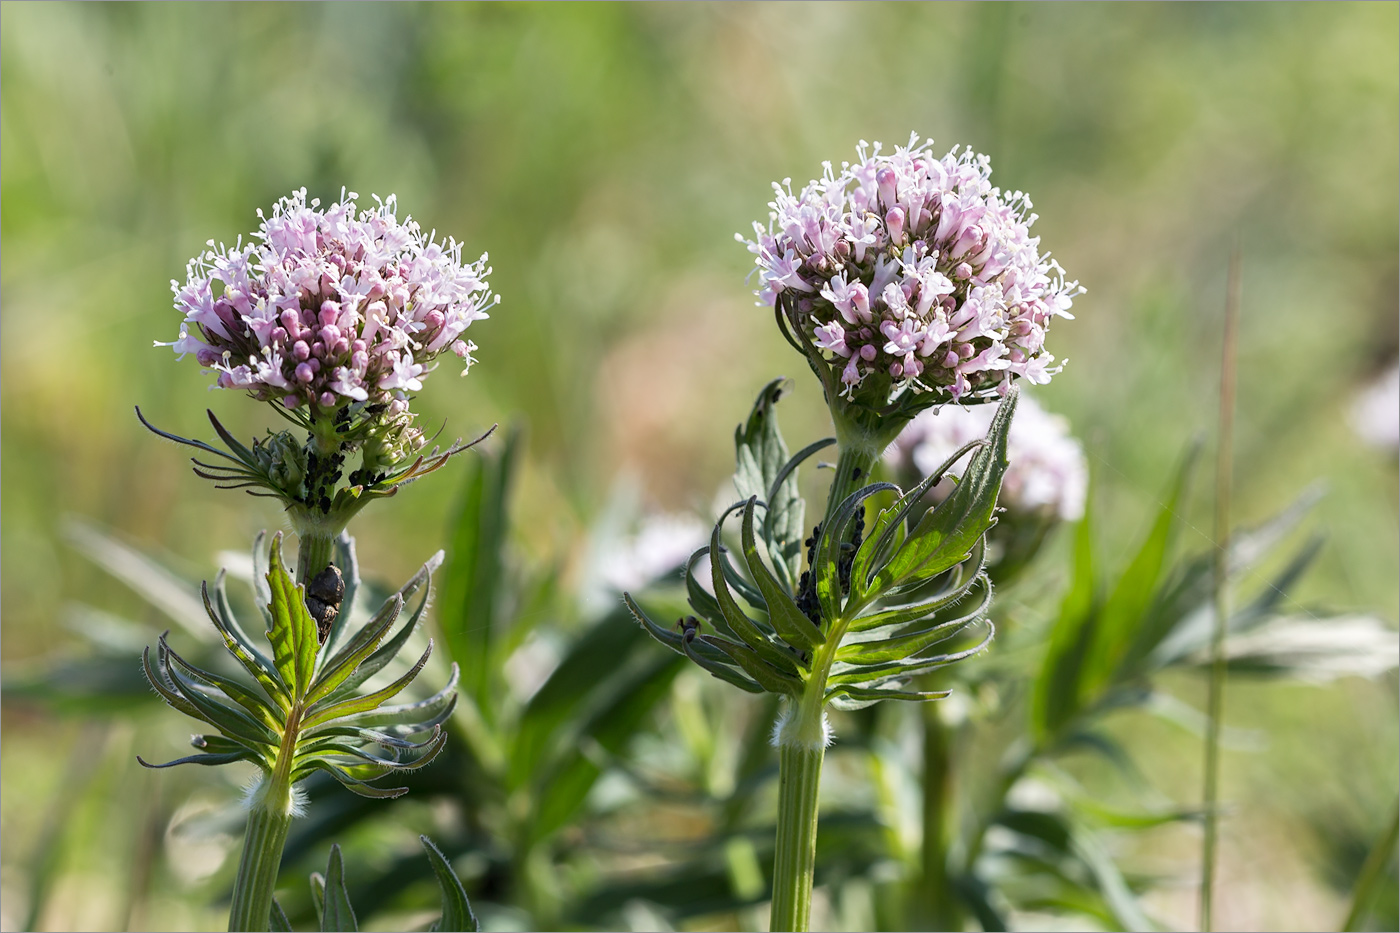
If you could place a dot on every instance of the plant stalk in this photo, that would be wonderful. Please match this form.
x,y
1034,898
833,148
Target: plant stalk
x,y
269,818
257,869
1224,462
799,778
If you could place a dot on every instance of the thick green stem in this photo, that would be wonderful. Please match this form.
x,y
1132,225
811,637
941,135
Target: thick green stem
x,y
257,870
268,820
316,534
799,779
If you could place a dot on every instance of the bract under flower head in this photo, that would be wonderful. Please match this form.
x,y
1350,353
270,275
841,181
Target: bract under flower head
x,y
911,273
330,307
1046,471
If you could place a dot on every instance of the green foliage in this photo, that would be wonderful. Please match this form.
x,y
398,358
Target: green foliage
x,y
896,590
301,714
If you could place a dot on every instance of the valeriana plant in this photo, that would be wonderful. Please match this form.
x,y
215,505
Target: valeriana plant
x,y
334,317
906,281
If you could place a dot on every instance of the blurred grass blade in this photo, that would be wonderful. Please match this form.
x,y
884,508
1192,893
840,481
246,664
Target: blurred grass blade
x,y
457,915
1373,874
472,585
1127,605
157,585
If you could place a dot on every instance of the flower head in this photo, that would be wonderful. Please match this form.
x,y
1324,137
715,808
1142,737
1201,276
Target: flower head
x,y
323,308
335,317
1047,474
913,276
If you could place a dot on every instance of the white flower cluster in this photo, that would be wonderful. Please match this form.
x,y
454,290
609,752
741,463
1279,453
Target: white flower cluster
x,y
914,267
329,306
1047,472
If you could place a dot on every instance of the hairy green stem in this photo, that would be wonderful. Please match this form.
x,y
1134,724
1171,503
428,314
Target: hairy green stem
x,y
799,779
257,870
269,818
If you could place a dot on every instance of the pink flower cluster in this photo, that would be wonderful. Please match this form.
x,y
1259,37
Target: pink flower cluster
x,y
328,306
1046,471
915,267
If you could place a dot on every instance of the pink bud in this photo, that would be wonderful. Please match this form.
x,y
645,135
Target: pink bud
x,y
330,334
359,360
867,352
896,370
894,219
305,373
318,349
340,347
330,312
912,367
279,335
207,357
300,350
358,346
327,399
291,401
886,179
950,359
963,271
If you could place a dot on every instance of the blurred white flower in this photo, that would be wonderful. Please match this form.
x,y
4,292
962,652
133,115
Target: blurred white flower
x,y
1375,412
660,545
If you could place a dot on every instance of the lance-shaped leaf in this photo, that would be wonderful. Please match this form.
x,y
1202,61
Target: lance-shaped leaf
x,y
843,673
783,520
789,622
946,535
705,605
332,900
389,649
241,647
702,653
771,679
896,647
412,717
834,537
259,708
741,625
325,712
457,915
852,697
293,632
349,659
955,587
883,536
232,722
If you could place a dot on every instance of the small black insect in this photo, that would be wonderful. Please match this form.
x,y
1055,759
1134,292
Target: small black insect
x,y
323,596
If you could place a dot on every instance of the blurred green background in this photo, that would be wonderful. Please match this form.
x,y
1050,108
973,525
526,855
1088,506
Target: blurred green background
x,y
605,155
